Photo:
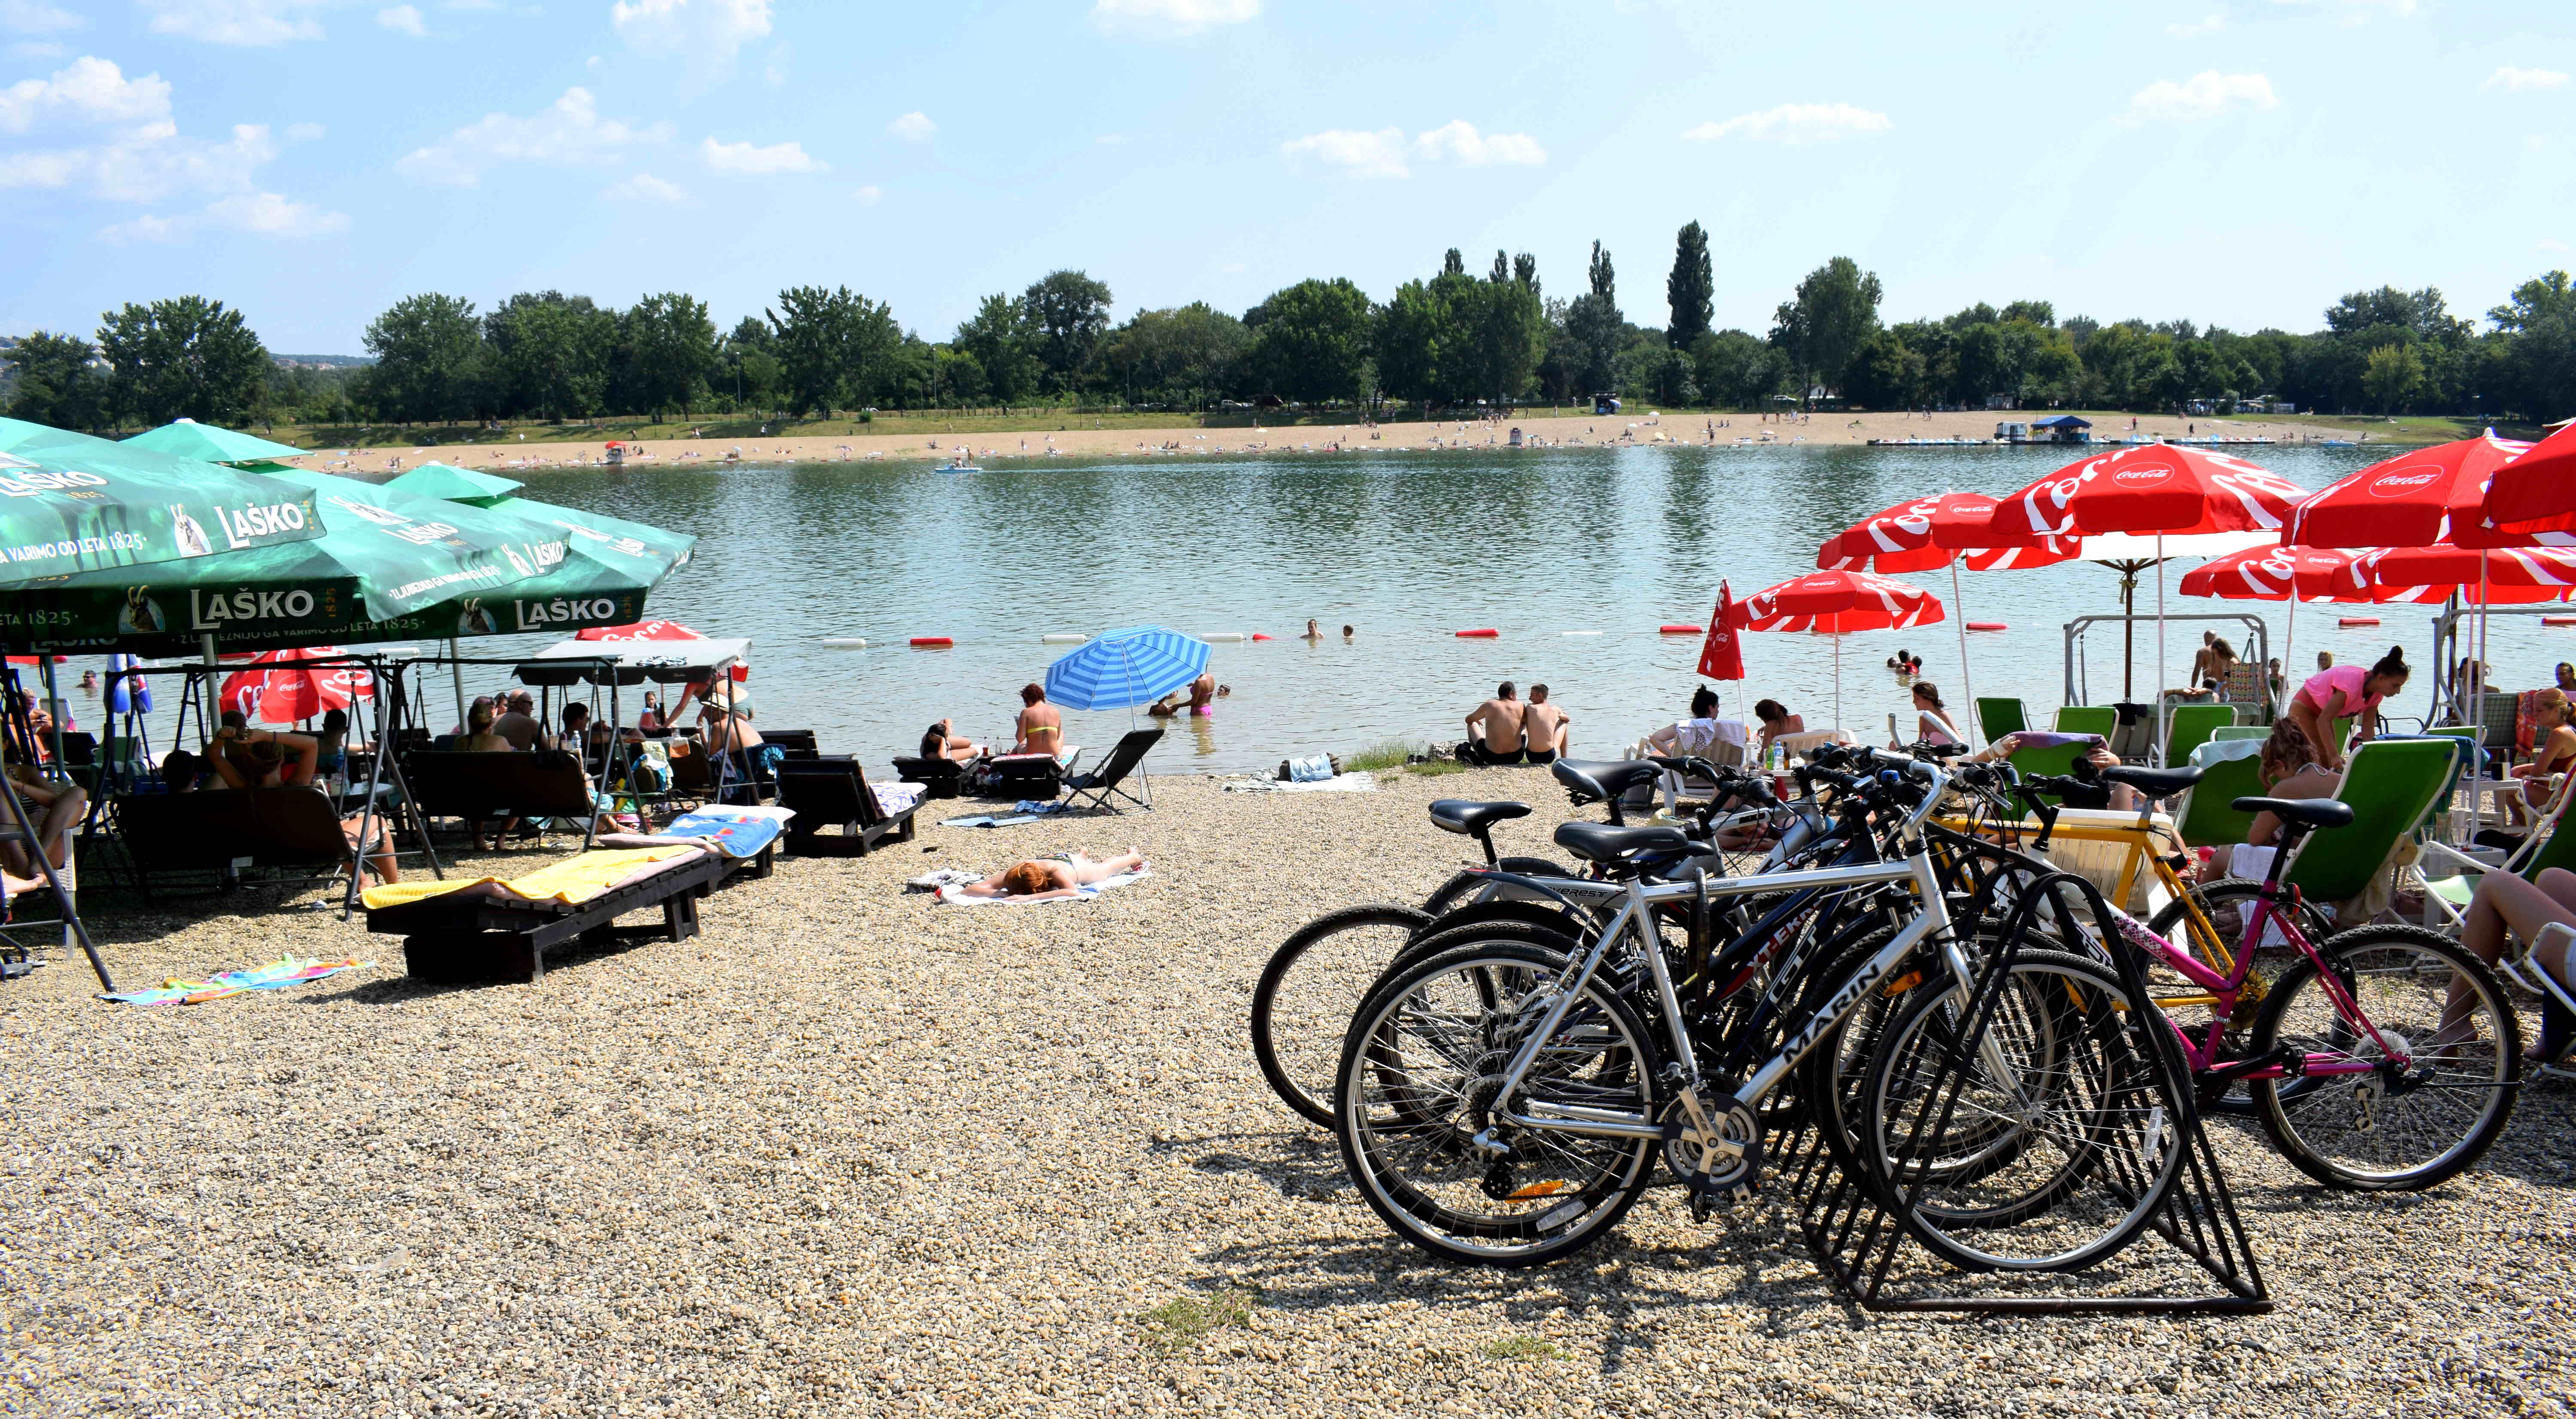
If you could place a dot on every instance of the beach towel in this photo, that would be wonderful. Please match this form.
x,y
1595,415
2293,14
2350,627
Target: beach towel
x,y
1357,781
955,898
939,877
277,975
572,881
735,832
987,820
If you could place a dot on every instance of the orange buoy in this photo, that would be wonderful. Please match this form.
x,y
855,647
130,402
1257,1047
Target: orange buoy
x,y
1256,635
2558,620
934,641
1488,633
1678,629
2358,621
1988,626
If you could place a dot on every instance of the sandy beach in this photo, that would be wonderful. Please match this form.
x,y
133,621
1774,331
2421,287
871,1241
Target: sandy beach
x,y
1636,425
851,1153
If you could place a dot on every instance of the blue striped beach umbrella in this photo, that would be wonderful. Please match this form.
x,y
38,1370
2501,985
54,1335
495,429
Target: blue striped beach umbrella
x,y
1124,669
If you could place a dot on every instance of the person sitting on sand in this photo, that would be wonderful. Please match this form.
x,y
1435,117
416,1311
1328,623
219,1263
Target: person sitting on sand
x,y
1052,877
1494,729
1041,725
1543,736
940,741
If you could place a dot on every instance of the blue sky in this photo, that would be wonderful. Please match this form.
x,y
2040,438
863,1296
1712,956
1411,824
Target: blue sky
x,y
2232,161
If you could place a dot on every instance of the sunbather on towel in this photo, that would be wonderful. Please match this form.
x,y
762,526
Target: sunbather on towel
x,y
1055,875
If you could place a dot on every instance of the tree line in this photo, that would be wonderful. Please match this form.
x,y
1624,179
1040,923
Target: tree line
x,y
1444,341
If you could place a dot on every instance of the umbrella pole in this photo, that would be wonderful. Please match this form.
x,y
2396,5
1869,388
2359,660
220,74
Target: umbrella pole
x,y
2128,634
2157,744
1838,681
2289,645
1959,614
53,706
456,667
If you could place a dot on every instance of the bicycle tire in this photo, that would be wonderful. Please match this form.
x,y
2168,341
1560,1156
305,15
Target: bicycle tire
x,y
1311,1097
1428,1127
2302,1126
2222,901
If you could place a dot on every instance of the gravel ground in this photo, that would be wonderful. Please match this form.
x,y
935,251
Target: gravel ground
x,y
851,1153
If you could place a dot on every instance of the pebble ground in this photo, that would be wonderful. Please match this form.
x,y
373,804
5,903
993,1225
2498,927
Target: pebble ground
x,y
849,1153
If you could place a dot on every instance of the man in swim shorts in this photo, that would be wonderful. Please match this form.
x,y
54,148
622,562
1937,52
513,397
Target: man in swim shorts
x,y
1494,729
1543,727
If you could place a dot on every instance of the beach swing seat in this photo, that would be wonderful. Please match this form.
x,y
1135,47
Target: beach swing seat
x,y
536,785
1095,789
493,930
225,833
1998,716
835,792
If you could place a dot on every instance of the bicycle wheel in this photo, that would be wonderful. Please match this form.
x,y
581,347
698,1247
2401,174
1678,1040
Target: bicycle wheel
x,y
2393,1128
1419,1116
1464,886
1307,993
2051,1163
2224,904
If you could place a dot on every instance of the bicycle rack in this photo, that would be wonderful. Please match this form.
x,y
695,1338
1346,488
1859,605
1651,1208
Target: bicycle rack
x,y
1865,1250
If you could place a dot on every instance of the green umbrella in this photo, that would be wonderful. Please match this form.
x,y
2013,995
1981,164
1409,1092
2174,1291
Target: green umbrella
x,y
456,485
209,443
71,503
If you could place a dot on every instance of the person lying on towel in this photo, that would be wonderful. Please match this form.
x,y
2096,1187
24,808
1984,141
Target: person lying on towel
x,y
1055,875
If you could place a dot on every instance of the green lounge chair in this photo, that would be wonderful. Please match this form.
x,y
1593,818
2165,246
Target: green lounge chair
x,y
2393,786
2187,727
2231,769
1997,717
2058,762
2089,719
2227,732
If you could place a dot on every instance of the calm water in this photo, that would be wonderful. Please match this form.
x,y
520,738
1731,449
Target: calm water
x,y
1406,547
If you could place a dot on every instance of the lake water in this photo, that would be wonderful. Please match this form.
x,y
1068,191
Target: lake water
x,y
1407,548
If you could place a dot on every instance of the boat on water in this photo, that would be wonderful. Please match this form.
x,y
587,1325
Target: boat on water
x,y
958,466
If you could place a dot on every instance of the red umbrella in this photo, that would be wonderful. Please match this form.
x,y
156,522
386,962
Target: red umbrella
x,y
2537,492
640,631
2421,498
2505,575
1721,657
280,688
1837,603
2266,574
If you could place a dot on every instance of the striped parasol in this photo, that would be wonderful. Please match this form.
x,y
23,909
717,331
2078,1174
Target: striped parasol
x,y
1124,669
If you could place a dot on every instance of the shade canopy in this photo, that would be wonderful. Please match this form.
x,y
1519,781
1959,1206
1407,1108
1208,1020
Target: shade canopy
x,y
459,485
641,631
2268,573
633,662
1125,668
1837,602
2149,490
2421,498
2062,421
74,503
2537,492
211,443
1925,533
2502,576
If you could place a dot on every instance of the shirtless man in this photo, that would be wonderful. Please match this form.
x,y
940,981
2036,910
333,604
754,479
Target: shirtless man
x,y
1543,727
1041,726
1498,740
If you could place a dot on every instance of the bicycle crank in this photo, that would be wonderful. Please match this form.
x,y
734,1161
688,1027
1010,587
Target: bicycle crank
x,y
1716,1149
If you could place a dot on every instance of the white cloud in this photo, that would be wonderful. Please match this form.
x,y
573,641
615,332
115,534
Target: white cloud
x,y
403,19
36,17
1796,123
87,90
913,127
264,214
2352,12
760,162
699,28
2204,95
235,21
1387,153
2516,80
567,133
2212,25
1459,139
868,196
2550,244
645,187
1167,19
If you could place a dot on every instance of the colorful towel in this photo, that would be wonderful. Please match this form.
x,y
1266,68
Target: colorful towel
x,y
277,975
728,830
572,881
955,898
1356,781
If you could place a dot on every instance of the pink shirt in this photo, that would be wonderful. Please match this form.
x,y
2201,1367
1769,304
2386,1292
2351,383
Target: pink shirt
x,y
2321,687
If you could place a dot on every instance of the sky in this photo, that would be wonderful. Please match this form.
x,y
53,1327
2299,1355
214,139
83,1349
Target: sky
x,y
2236,162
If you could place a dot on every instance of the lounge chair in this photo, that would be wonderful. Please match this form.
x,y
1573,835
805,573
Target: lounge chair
x,y
2089,719
2394,787
535,785
1018,776
2230,769
2243,691
1997,717
1094,789
2056,761
225,833
938,778
486,931
799,743
835,793
2187,727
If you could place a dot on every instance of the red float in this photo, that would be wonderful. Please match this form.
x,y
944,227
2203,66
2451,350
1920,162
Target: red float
x,y
1678,629
1988,626
932,641
1488,633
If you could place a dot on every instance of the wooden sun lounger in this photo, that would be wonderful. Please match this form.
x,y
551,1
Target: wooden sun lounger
x,y
835,793
461,937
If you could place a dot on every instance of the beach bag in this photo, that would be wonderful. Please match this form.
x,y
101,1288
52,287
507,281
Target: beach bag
x,y
1314,768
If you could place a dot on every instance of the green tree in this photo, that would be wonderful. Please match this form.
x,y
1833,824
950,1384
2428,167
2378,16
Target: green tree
x,y
54,382
1499,332
1176,355
1835,309
1067,315
1595,328
2535,362
1651,370
671,352
185,358
429,357
1734,369
2391,377
1884,374
1004,347
1310,342
833,346
751,371
1407,342
1690,289
547,355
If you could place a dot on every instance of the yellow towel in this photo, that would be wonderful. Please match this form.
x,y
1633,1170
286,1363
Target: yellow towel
x,y
571,881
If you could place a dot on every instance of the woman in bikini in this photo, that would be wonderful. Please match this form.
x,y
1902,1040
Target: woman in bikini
x,y
1056,875
1041,726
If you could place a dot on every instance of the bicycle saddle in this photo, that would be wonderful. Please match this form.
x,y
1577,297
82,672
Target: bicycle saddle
x,y
2307,812
2155,783
1605,778
1468,817
1599,842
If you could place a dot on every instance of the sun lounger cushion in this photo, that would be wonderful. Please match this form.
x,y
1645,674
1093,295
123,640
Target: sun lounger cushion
x,y
570,882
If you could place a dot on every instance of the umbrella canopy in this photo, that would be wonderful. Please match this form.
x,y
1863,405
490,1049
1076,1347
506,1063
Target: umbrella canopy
x,y
1126,668
279,689
2503,576
1721,656
1838,602
2267,573
74,503
1924,534
2537,491
2150,490
641,631
456,485
2421,498
209,443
